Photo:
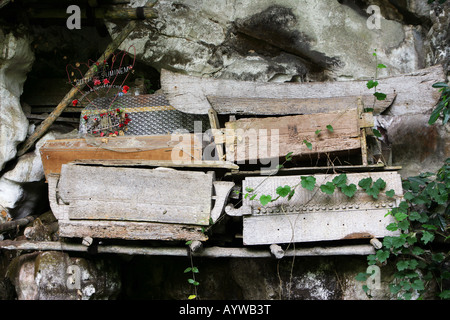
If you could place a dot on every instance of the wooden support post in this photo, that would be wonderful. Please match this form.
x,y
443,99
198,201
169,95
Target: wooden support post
x,y
43,127
363,134
217,133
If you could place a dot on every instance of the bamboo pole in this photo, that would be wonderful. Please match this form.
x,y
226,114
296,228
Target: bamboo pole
x,y
211,252
43,127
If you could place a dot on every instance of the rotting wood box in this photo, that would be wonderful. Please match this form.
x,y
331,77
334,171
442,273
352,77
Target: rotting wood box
x,y
127,197
311,215
135,203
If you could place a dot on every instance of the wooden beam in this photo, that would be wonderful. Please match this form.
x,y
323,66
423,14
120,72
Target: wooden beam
x,y
45,125
290,106
190,94
209,252
148,149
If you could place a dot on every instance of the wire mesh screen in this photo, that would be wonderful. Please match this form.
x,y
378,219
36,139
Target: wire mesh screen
x,y
138,115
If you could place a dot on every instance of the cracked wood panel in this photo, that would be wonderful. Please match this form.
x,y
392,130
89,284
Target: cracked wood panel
x,y
130,230
288,106
190,94
273,137
131,194
55,153
316,216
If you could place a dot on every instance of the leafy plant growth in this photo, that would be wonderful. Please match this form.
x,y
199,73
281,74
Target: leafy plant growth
x,y
442,107
422,217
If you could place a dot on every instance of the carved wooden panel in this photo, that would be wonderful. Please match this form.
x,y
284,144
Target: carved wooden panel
x,y
317,216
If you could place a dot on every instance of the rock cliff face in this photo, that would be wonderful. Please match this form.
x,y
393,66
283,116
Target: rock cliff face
x,y
290,40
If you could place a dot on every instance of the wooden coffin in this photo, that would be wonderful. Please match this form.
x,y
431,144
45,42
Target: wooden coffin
x,y
55,153
135,203
316,216
251,139
196,95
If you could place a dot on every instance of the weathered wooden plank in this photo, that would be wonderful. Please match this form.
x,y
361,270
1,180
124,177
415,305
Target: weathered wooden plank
x,y
159,163
314,215
210,252
131,194
289,106
55,153
130,230
317,226
190,94
273,137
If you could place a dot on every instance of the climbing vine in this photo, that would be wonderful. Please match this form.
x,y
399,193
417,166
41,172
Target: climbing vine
x,y
423,219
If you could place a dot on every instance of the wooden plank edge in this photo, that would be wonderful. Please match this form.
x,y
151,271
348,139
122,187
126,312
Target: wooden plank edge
x,y
357,168
160,163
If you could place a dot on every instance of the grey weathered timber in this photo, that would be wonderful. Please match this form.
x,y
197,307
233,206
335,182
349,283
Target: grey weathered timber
x,y
190,94
130,230
287,106
316,216
133,194
135,203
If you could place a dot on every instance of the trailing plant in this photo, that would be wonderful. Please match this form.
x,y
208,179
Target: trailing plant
x,y
373,83
193,271
442,108
422,217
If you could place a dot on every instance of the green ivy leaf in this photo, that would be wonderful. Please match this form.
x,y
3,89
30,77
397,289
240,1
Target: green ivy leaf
x,y
418,285
362,276
327,188
414,216
380,184
390,193
340,180
371,84
330,128
437,257
317,132
417,251
349,190
283,191
187,270
392,227
381,66
380,96
289,156
373,192
308,182
382,255
265,199
308,144
427,237
402,265
192,296
395,288
445,294
400,216
365,183
376,133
